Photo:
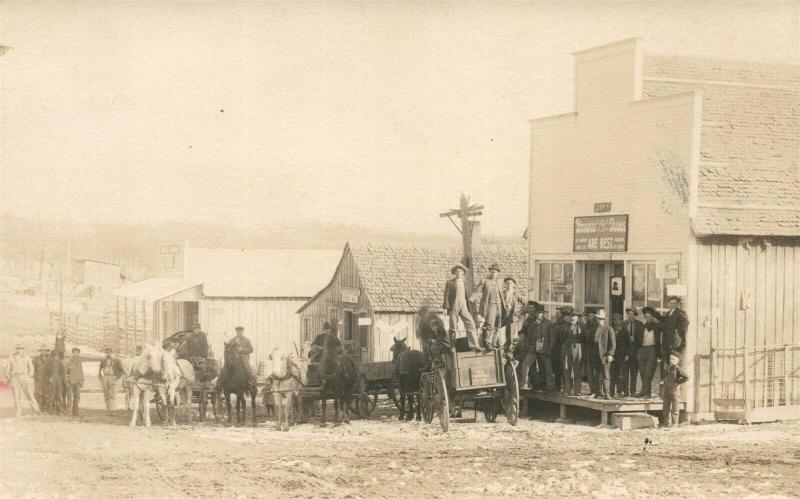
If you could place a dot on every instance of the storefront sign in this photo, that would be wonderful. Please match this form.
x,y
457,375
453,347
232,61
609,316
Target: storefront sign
x,y
602,207
668,269
601,233
561,288
350,295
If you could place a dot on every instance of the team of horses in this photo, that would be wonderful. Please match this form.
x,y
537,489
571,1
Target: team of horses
x,y
158,370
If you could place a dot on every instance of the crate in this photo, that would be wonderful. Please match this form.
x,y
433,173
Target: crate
x,y
475,370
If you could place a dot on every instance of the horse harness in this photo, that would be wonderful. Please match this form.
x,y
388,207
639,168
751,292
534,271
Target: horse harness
x,y
276,381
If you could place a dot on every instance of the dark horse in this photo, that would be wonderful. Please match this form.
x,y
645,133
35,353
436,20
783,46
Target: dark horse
x,y
339,375
234,380
408,367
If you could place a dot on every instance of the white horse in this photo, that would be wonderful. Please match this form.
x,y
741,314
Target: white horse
x,y
175,378
288,376
138,389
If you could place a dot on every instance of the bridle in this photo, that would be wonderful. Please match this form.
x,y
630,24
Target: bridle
x,y
290,374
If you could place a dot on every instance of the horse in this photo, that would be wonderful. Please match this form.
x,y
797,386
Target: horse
x,y
174,380
234,380
339,375
138,388
288,376
408,368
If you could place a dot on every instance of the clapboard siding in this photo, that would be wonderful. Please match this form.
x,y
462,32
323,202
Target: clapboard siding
x,y
268,322
747,297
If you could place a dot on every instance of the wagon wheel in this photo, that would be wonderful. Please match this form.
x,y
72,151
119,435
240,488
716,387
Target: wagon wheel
x,y
511,394
426,396
440,400
490,410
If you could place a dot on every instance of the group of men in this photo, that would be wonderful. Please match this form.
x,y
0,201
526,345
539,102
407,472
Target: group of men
x,y
56,380
557,355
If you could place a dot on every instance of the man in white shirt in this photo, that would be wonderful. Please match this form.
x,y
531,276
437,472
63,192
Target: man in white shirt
x,y
20,373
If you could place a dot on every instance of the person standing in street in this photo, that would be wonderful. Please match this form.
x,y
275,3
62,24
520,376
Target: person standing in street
x,y
673,378
490,307
511,307
456,305
59,382
19,373
75,379
646,346
603,348
539,332
591,360
110,370
245,348
619,368
572,353
41,377
556,360
633,328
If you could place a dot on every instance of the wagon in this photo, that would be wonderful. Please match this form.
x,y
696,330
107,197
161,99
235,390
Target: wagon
x,y
375,379
486,379
310,394
204,388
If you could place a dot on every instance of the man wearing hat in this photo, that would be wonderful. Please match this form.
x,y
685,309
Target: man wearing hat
x,y
19,372
490,306
511,306
601,354
59,382
110,370
572,352
75,378
456,304
42,371
619,368
245,348
647,347
673,332
539,348
556,333
589,366
196,345
633,328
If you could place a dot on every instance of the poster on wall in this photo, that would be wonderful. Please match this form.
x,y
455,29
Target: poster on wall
x,y
601,233
668,269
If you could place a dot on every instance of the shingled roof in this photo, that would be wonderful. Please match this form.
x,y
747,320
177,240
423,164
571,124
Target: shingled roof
x,y
749,178
402,278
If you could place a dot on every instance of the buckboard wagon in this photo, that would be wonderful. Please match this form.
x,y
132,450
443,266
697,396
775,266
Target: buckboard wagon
x,y
375,378
486,379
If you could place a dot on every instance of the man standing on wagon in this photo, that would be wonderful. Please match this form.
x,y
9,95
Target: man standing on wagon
x,y
456,304
490,306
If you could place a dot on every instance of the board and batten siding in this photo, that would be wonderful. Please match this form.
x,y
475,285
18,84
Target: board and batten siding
x,y
748,300
319,308
267,322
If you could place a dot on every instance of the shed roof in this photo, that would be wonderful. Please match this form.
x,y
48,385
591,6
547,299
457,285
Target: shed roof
x,y
155,288
749,178
404,277
261,273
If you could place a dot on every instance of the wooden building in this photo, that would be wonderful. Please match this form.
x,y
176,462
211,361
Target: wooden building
x,y
684,180
378,287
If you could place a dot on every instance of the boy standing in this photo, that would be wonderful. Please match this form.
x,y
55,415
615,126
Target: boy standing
x,y
674,376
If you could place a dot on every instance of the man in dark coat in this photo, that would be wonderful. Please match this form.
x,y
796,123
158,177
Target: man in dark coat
x,y
245,348
556,362
42,371
619,368
673,332
572,353
539,339
196,345
647,346
633,328
59,383
456,304
75,379
590,362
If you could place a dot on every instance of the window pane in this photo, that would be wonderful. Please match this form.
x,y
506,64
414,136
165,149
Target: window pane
x,y
639,284
595,287
544,282
653,287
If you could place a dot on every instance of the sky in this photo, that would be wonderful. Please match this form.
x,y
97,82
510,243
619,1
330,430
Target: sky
x,y
282,114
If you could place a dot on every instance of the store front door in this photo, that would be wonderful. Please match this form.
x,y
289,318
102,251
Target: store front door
x,y
604,286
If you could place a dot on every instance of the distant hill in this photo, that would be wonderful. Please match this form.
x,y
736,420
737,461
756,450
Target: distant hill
x,y
137,242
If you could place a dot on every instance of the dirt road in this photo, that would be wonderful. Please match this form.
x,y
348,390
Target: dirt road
x,y
99,455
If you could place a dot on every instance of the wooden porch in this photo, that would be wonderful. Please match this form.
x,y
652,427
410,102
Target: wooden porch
x,y
605,407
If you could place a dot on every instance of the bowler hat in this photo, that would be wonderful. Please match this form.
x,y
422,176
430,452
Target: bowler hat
x,y
569,311
509,278
239,328
458,266
495,267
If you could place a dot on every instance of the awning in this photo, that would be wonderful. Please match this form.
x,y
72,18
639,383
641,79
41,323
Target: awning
x,y
158,288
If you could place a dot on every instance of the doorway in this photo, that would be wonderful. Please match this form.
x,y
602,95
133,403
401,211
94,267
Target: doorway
x,y
604,286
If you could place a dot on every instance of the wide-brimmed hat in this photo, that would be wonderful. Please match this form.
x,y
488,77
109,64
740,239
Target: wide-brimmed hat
x,y
108,349
569,311
631,309
458,266
674,297
494,266
239,328
650,311
600,314
509,278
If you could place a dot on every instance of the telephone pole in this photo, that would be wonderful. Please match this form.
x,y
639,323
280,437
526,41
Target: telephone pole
x,y
463,213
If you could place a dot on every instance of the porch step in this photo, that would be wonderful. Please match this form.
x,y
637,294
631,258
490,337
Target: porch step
x,y
633,420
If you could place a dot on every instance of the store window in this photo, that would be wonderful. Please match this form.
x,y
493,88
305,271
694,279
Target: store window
x,y
556,284
648,290
307,332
